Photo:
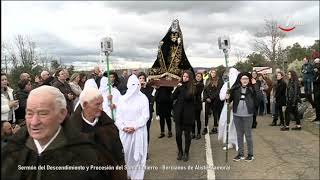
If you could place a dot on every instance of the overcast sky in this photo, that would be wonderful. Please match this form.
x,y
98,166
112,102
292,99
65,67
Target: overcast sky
x,y
72,30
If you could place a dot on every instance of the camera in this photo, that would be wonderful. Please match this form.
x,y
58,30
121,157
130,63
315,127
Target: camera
x,y
106,44
224,42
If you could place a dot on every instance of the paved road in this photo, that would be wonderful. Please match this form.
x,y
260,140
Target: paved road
x,y
278,155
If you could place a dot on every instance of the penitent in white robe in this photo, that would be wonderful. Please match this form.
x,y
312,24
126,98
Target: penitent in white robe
x,y
222,129
133,111
104,89
105,93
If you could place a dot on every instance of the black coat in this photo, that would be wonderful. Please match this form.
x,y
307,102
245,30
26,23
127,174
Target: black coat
x,y
48,81
293,93
259,92
104,134
316,83
250,98
280,92
70,149
164,101
22,96
65,89
183,107
213,92
148,92
198,101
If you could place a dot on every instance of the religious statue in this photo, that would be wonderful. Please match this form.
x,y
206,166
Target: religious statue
x,y
171,59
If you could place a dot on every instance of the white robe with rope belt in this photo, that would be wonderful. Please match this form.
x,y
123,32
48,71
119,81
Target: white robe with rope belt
x,y
133,111
222,129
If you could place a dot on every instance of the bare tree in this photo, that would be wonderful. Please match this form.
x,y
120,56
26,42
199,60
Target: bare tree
x,y
269,48
8,56
240,55
26,51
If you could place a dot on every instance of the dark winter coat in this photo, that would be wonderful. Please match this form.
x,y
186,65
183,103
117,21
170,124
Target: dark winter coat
x,y
163,101
269,83
148,92
213,92
293,93
67,149
65,89
48,81
198,93
250,98
307,71
316,83
183,107
105,134
259,92
22,96
122,86
280,92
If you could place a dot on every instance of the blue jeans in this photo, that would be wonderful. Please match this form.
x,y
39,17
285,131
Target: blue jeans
x,y
307,86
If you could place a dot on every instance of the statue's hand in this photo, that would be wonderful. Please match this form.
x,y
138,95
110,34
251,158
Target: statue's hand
x,y
160,44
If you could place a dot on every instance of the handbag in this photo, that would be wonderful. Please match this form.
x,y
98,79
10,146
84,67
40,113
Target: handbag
x,y
302,107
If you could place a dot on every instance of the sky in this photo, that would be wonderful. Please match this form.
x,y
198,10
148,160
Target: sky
x,y
71,30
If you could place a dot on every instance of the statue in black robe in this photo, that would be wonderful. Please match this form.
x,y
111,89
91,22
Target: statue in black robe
x,y
171,59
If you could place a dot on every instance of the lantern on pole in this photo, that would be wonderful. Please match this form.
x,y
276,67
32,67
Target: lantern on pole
x,y
107,47
224,44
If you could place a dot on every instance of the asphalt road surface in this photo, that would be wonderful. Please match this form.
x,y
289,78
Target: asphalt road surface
x,y
278,155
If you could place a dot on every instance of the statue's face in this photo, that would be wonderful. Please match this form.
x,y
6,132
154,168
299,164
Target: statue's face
x,y
174,37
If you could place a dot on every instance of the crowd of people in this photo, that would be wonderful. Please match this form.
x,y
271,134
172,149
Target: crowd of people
x,y
74,120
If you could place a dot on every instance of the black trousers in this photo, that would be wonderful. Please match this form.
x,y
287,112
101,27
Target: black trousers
x,y
268,105
254,117
197,121
292,113
163,120
278,112
317,104
148,127
187,137
216,111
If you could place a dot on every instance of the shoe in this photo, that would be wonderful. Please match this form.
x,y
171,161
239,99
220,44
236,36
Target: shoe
x,y
230,146
205,131
185,157
161,135
198,136
273,124
249,158
284,128
179,155
254,126
280,124
193,136
214,131
238,158
296,128
169,134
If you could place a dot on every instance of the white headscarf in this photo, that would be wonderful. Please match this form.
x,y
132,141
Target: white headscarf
x,y
133,86
233,74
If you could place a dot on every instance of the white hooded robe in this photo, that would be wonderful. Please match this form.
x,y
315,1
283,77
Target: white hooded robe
x,y
105,93
133,111
222,129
